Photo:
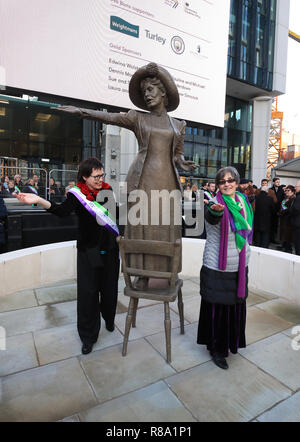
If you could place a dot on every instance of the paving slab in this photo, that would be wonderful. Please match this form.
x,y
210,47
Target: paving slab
x,y
17,301
149,320
54,294
47,393
286,411
191,307
261,324
235,395
63,342
154,403
276,356
186,353
190,287
112,375
286,310
19,355
38,318
254,299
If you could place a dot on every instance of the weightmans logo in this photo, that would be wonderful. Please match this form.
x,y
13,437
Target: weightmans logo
x,y
120,25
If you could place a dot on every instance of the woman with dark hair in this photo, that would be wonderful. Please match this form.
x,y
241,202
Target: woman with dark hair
x,y
98,255
224,274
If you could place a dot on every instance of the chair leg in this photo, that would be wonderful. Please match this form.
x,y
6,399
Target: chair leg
x,y
127,326
180,310
135,306
168,331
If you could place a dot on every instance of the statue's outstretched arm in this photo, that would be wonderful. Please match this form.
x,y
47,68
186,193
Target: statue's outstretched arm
x,y
118,119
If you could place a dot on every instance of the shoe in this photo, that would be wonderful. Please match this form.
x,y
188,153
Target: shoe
x,y
110,326
220,361
86,348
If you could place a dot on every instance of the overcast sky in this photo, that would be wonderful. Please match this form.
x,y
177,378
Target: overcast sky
x,y
290,102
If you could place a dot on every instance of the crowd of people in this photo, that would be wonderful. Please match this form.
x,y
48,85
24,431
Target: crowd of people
x,y
276,211
15,184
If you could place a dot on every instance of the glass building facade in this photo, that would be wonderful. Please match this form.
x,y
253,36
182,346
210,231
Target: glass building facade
x,y
31,131
250,60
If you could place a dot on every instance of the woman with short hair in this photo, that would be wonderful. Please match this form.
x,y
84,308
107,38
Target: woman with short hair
x,y
224,274
98,254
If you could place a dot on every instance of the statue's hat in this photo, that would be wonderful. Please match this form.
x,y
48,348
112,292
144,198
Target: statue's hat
x,y
153,70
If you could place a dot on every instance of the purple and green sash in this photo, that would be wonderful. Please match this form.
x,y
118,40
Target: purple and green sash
x,y
239,215
102,215
33,190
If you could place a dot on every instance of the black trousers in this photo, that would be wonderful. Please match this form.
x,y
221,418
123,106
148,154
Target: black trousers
x,y
97,294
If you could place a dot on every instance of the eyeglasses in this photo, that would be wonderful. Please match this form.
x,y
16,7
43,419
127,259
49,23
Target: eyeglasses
x,y
229,181
98,177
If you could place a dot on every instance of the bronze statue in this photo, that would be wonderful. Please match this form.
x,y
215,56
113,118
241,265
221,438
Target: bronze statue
x,y
160,140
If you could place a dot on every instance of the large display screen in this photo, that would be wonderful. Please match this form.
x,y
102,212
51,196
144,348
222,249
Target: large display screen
x,y
89,49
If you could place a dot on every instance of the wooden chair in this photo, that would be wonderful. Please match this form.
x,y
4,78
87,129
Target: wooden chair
x,y
162,286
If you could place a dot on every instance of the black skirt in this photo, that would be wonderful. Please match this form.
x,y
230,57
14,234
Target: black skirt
x,y
222,327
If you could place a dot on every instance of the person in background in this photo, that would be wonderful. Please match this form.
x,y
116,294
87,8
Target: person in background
x,y
8,193
224,273
187,194
209,194
286,230
295,218
205,185
195,192
265,182
277,188
5,182
54,192
251,192
18,182
3,217
264,211
30,187
98,254
243,185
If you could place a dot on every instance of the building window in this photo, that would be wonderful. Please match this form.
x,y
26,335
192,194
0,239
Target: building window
x,y
251,41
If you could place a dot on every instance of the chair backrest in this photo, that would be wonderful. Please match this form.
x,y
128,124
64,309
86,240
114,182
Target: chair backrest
x,y
146,247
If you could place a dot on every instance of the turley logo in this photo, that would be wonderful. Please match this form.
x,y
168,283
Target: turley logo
x,y
177,44
120,25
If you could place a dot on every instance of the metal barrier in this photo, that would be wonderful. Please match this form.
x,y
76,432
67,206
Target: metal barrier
x,y
50,184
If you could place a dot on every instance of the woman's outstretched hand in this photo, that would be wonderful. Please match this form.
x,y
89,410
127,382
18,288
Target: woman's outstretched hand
x,y
27,198
217,207
31,198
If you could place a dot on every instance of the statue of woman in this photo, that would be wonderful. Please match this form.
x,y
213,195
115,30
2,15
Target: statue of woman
x,y
160,140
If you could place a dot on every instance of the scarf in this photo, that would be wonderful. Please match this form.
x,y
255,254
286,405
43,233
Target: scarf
x,y
91,195
241,224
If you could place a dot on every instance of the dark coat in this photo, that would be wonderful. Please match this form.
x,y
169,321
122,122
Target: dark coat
x,y
279,195
90,233
286,230
3,215
264,211
295,212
